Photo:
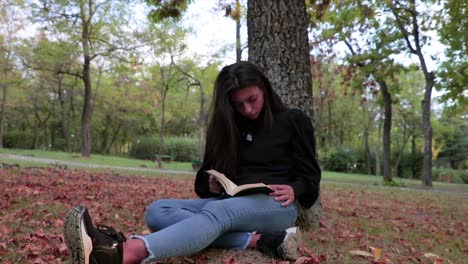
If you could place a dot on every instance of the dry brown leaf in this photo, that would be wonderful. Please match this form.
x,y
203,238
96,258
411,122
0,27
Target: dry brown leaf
x,y
430,255
361,253
377,253
302,260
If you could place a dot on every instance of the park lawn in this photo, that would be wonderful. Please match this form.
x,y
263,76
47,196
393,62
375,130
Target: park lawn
x,y
391,225
107,160
121,162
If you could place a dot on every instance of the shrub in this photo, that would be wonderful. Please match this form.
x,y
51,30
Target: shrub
x,y
180,148
341,160
447,174
410,165
18,139
464,176
59,144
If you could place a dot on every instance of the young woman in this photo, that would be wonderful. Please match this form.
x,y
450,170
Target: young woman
x,y
252,137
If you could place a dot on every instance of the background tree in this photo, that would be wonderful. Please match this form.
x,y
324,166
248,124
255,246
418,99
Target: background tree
x,y
413,24
453,72
10,24
98,25
370,42
166,42
236,11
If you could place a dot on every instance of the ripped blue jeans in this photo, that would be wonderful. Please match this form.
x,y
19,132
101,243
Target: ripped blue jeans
x,y
185,227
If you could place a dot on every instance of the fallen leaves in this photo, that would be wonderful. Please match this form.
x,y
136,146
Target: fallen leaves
x,y
359,225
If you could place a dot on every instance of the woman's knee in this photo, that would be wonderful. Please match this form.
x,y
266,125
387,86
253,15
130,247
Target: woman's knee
x,y
155,215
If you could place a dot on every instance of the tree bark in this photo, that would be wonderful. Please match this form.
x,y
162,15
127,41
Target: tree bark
x,y
278,44
238,36
377,148
201,123
426,118
387,162
87,111
367,150
63,120
414,172
2,107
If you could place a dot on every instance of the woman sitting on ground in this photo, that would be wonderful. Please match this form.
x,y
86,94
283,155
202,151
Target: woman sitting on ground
x,y
252,137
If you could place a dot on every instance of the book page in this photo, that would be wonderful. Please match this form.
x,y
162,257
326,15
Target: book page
x,y
232,189
227,184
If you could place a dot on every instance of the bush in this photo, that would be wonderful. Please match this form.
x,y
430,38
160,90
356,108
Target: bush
x,y
464,176
410,165
180,148
341,160
18,139
451,175
59,144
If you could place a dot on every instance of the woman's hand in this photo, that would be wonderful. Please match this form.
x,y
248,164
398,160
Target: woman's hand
x,y
284,193
215,186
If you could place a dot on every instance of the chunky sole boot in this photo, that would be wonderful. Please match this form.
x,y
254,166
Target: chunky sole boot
x,y
291,243
284,245
89,244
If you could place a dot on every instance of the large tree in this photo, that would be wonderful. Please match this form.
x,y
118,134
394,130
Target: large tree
x,y
278,44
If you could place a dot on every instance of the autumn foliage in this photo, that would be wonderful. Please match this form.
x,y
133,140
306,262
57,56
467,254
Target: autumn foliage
x,y
361,224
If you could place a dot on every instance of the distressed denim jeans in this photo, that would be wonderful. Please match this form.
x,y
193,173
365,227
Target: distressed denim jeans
x,y
185,227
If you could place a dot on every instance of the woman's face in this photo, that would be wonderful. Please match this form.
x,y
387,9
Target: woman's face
x,y
248,101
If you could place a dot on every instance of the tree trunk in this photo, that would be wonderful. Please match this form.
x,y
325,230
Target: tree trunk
x,y
86,115
87,111
238,36
63,120
278,44
367,150
2,114
201,124
2,107
161,128
114,138
426,118
377,149
105,134
414,173
387,163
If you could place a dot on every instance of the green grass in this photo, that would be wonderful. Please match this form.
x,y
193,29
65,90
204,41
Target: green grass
x,y
97,159
337,177
119,161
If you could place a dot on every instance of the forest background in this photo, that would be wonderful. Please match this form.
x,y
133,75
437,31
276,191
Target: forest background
x,y
112,78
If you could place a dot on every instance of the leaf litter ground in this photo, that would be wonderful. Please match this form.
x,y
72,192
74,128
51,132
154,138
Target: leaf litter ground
x,y
360,224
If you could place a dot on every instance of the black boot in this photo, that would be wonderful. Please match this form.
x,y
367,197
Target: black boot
x,y
89,244
283,245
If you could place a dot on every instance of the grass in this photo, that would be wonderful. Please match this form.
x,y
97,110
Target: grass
x,y
96,159
146,166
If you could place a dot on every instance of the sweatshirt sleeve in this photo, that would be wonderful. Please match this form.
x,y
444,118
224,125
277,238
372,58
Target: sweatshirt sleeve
x,y
306,171
202,188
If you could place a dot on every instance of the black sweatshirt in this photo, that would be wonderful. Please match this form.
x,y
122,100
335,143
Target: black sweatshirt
x,y
284,154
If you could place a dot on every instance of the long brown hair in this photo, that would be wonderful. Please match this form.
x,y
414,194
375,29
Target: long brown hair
x,y
223,133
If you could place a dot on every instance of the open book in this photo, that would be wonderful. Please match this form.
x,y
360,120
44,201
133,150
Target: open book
x,y
233,190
